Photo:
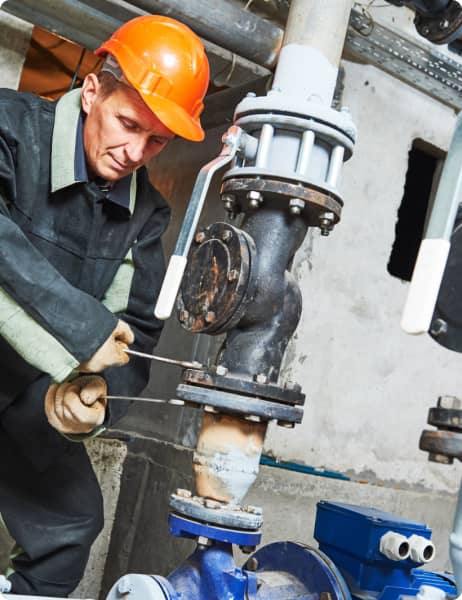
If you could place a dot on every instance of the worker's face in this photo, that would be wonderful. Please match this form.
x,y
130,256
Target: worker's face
x,y
120,133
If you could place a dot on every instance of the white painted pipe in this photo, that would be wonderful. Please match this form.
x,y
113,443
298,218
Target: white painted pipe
x,y
394,546
313,37
455,544
431,260
422,549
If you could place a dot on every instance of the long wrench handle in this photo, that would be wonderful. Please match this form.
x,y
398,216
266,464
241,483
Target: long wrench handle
x,y
434,249
177,264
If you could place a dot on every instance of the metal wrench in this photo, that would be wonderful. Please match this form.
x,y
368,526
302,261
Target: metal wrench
x,y
171,361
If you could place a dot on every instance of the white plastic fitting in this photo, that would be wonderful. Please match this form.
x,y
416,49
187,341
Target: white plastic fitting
x,y
429,592
425,285
422,550
394,546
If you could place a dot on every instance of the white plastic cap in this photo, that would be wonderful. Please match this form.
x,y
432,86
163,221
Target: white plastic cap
x,y
422,550
394,546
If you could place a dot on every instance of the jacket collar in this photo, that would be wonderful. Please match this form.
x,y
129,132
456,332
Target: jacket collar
x,y
68,158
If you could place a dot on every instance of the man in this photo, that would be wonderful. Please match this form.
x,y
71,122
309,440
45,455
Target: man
x,y
80,269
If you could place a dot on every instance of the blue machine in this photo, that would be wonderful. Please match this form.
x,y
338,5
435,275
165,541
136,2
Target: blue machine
x,y
347,565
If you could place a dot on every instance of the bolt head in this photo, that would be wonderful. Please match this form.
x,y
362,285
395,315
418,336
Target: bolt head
x,y
183,493
124,585
438,327
233,275
443,24
199,237
261,378
285,424
221,370
210,316
450,402
255,195
425,30
253,418
440,458
295,210
204,541
183,315
209,503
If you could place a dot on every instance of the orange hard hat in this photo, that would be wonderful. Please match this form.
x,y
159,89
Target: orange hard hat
x,y
166,63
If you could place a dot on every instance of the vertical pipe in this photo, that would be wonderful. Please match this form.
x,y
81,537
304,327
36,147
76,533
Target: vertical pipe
x,y
335,166
312,46
264,145
305,152
455,543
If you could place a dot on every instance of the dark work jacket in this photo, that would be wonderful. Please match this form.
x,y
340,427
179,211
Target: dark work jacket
x,y
71,264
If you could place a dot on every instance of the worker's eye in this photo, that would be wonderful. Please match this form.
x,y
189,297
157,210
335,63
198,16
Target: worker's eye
x,y
129,124
157,140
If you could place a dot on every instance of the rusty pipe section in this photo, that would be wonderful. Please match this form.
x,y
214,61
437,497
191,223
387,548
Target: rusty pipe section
x,y
227,457
314,37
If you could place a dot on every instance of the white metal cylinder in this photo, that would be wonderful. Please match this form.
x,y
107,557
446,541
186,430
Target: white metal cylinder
x,y
422,549
394,546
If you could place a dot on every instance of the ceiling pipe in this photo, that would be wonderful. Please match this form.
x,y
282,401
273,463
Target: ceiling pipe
x,y
225,24
89,22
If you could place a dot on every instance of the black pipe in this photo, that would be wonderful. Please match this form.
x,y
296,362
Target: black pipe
x,y
225,24
258,344
428,8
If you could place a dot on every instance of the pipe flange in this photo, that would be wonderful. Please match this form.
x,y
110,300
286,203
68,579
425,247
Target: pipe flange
x,y
279,108
228,403
218,513
290,394
217,284
443,446
315,205
443,28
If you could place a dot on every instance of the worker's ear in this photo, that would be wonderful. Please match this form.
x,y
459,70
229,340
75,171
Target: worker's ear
x,y
90,89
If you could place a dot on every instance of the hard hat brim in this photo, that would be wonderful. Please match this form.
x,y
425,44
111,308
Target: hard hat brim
x,y
174,117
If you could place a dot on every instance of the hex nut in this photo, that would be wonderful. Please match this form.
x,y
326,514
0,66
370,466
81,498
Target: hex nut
x,y
183,493
422,550
449,402
221,370
394,546
125,586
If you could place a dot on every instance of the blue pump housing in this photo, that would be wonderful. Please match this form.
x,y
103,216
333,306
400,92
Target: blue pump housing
x,y
350,536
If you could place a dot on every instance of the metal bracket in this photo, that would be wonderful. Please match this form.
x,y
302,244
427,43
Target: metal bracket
x,y
428,70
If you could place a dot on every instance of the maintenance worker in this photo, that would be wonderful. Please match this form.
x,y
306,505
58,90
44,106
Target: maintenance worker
x,y
81,266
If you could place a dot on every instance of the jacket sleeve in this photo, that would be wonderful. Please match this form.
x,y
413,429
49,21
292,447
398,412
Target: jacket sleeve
x,y
132,295
51,324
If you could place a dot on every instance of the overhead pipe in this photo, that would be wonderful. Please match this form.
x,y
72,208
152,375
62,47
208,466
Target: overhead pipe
x,y
88,23
225,24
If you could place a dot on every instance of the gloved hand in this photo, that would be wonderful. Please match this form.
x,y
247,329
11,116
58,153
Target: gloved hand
x,y
77,406
111,353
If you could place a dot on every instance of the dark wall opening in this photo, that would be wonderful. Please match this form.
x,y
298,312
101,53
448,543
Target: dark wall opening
x,y
422,176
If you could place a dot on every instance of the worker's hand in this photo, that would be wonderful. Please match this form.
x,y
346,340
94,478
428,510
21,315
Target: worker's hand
x,y
77,406
111,353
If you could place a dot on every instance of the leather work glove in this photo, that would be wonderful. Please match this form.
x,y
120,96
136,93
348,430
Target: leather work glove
x,y
111,353
77,406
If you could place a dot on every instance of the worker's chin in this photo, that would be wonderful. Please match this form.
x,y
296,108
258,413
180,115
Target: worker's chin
x,y
112,173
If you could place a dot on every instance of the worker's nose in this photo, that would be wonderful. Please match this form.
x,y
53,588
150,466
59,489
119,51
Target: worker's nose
x,y
135,150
